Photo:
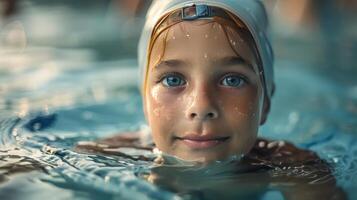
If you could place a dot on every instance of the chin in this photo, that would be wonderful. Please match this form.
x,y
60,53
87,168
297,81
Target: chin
x,y
202,157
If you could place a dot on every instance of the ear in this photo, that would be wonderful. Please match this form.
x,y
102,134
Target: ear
x,y
265,111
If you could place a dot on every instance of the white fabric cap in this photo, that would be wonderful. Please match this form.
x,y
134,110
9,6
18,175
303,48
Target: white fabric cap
x,y
251,12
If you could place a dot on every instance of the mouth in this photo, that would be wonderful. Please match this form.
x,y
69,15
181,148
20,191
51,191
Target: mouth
x,y
201,141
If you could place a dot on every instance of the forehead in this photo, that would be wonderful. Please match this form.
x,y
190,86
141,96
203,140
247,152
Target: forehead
x,y
202,39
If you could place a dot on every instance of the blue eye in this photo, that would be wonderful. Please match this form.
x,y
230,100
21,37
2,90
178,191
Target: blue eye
x,y
232,81
173,81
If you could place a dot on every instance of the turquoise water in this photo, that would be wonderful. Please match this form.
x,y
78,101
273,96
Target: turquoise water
x,y
43,120
56,91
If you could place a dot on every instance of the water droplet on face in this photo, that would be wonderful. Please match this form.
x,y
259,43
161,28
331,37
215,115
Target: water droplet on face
x,y
188,35
205,55
157,112
155,94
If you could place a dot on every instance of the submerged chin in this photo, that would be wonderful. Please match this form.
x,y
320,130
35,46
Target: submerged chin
x,y
208,157
205,150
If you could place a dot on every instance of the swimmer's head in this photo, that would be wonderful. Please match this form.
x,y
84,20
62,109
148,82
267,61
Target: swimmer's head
x,y
206,78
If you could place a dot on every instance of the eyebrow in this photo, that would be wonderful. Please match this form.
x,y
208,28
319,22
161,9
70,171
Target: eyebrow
x,y
234,60
231,60
170,63
225,61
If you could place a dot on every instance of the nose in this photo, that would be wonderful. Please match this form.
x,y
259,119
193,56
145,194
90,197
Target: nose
x,y
202,106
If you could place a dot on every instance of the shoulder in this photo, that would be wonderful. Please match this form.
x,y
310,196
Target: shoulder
x,y
296,172
282,153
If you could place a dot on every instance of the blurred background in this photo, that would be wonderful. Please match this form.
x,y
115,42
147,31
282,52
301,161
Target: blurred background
x,y
109,29
34,33
68,73
67,33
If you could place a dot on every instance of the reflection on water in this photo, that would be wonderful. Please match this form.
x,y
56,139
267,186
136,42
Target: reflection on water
x,y
64,85
43,137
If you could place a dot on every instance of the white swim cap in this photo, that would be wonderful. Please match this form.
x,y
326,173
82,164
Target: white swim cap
x,y
251,12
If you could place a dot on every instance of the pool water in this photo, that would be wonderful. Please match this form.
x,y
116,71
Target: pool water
x,y
57,91
64,102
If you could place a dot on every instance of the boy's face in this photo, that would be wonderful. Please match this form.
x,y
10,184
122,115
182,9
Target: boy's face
x,y
202,100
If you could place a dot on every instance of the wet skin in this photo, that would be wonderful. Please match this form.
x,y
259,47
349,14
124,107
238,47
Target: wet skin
x,y
203,99
270,165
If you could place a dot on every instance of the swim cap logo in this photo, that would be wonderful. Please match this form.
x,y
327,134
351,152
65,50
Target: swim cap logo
x,y
195,11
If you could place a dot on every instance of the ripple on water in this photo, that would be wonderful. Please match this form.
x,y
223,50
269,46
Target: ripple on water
x,y
45,141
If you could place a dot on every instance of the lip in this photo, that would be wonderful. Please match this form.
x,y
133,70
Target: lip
x,y
196,141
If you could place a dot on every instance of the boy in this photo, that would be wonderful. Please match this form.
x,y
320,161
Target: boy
x,y
207,82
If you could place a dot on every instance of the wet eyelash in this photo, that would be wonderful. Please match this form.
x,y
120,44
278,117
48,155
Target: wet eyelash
x,y
243,77
165,75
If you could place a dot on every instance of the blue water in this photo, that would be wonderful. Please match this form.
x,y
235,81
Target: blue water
x,y
62,82
64,103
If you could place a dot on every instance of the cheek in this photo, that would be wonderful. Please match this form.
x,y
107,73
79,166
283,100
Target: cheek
x,y
243,109
161,107
163,113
